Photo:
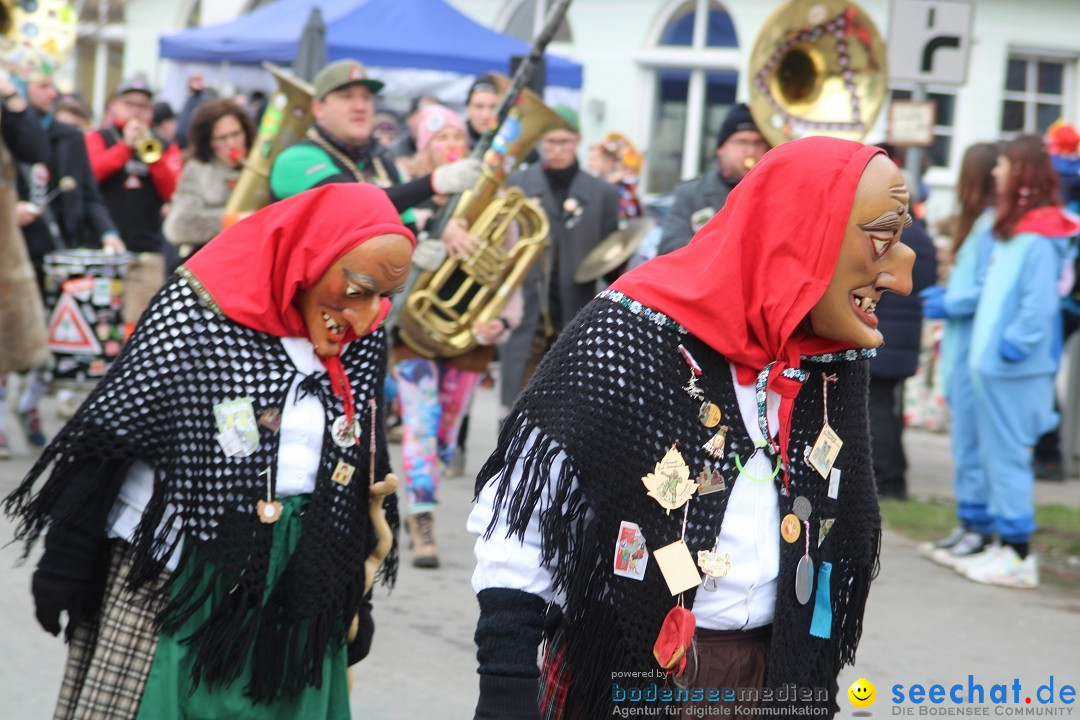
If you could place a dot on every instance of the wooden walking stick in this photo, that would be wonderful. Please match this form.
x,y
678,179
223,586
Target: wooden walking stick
x,y
384,535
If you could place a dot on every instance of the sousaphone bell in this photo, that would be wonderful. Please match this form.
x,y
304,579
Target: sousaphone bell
x,y
817,68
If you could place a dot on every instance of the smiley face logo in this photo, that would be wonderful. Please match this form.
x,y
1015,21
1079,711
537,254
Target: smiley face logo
x,y
862,693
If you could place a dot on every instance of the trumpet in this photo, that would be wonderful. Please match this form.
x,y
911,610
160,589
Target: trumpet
x,y
148,149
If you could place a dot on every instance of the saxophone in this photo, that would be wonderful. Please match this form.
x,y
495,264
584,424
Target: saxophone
x,y
286,119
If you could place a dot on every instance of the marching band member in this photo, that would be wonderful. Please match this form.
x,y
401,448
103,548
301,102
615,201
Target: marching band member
x,y
340,147
219,136
435,393
739,145
61,207
136,186
582,210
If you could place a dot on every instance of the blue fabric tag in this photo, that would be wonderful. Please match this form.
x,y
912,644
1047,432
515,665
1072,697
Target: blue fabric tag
x,y
821,625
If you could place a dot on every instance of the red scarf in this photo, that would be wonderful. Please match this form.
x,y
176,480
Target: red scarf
x,y
254,269
749,278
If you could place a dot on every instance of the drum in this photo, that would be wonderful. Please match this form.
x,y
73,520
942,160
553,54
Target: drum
x,y
84,292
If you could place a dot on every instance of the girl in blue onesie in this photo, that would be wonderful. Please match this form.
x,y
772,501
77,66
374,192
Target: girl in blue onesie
x,y
972,245
1015,349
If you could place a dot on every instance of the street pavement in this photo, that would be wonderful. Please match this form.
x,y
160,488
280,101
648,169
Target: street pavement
x,y
924,624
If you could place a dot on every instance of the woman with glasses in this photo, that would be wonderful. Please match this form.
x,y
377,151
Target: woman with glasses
x,y
219,137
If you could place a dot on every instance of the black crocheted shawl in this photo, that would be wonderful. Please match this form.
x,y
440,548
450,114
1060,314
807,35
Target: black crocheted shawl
x,y
157,405
609,395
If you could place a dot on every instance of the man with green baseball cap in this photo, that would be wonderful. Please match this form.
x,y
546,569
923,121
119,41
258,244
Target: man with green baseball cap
x,y
342,74
339,147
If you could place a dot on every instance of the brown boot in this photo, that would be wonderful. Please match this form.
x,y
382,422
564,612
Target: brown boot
x,y
421,528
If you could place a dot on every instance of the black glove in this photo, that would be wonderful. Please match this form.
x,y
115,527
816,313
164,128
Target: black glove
x,y
54,594
508,634
508,698
359,648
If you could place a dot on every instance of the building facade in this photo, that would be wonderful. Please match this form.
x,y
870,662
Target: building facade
x,y
664,72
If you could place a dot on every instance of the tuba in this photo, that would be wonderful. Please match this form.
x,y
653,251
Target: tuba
x,y
817,68
438,315
286,119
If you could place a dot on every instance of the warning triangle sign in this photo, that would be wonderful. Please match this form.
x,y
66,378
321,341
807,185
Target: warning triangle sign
x,y
68,330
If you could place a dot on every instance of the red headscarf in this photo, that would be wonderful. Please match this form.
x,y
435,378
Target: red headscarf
x,y
255,269
748,279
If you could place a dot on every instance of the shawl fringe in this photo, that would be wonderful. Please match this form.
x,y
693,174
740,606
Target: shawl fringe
x,y
566,507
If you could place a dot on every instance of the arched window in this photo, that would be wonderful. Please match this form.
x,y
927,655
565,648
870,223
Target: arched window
x,y
695,62
679,30
526,18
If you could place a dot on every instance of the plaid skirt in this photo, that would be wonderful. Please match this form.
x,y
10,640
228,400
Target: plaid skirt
x,y
109,656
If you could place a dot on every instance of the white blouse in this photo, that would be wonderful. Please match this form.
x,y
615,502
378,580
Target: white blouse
x,y
743,600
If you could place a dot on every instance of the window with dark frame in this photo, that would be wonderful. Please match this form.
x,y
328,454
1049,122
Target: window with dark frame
x,y
1034,93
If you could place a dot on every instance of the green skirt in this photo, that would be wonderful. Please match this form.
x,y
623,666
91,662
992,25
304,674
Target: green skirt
x,y
169,694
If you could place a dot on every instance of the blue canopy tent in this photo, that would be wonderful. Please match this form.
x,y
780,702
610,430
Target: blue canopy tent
x,y
420,34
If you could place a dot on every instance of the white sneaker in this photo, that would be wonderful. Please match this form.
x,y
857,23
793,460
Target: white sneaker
x,y
971,544
1007,569
987,554
927,549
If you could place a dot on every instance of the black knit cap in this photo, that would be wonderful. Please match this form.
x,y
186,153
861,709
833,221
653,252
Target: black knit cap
x,y
737,119
162,112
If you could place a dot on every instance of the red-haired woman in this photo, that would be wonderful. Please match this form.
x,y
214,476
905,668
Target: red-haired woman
x,y
1015,350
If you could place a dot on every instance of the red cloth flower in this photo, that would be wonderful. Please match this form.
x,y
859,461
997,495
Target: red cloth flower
x,y
673,642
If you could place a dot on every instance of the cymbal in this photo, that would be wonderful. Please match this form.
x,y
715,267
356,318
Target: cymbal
x,y
614,250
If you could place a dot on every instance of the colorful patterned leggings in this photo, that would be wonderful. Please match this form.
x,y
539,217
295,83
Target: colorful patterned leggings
x,y
434,398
